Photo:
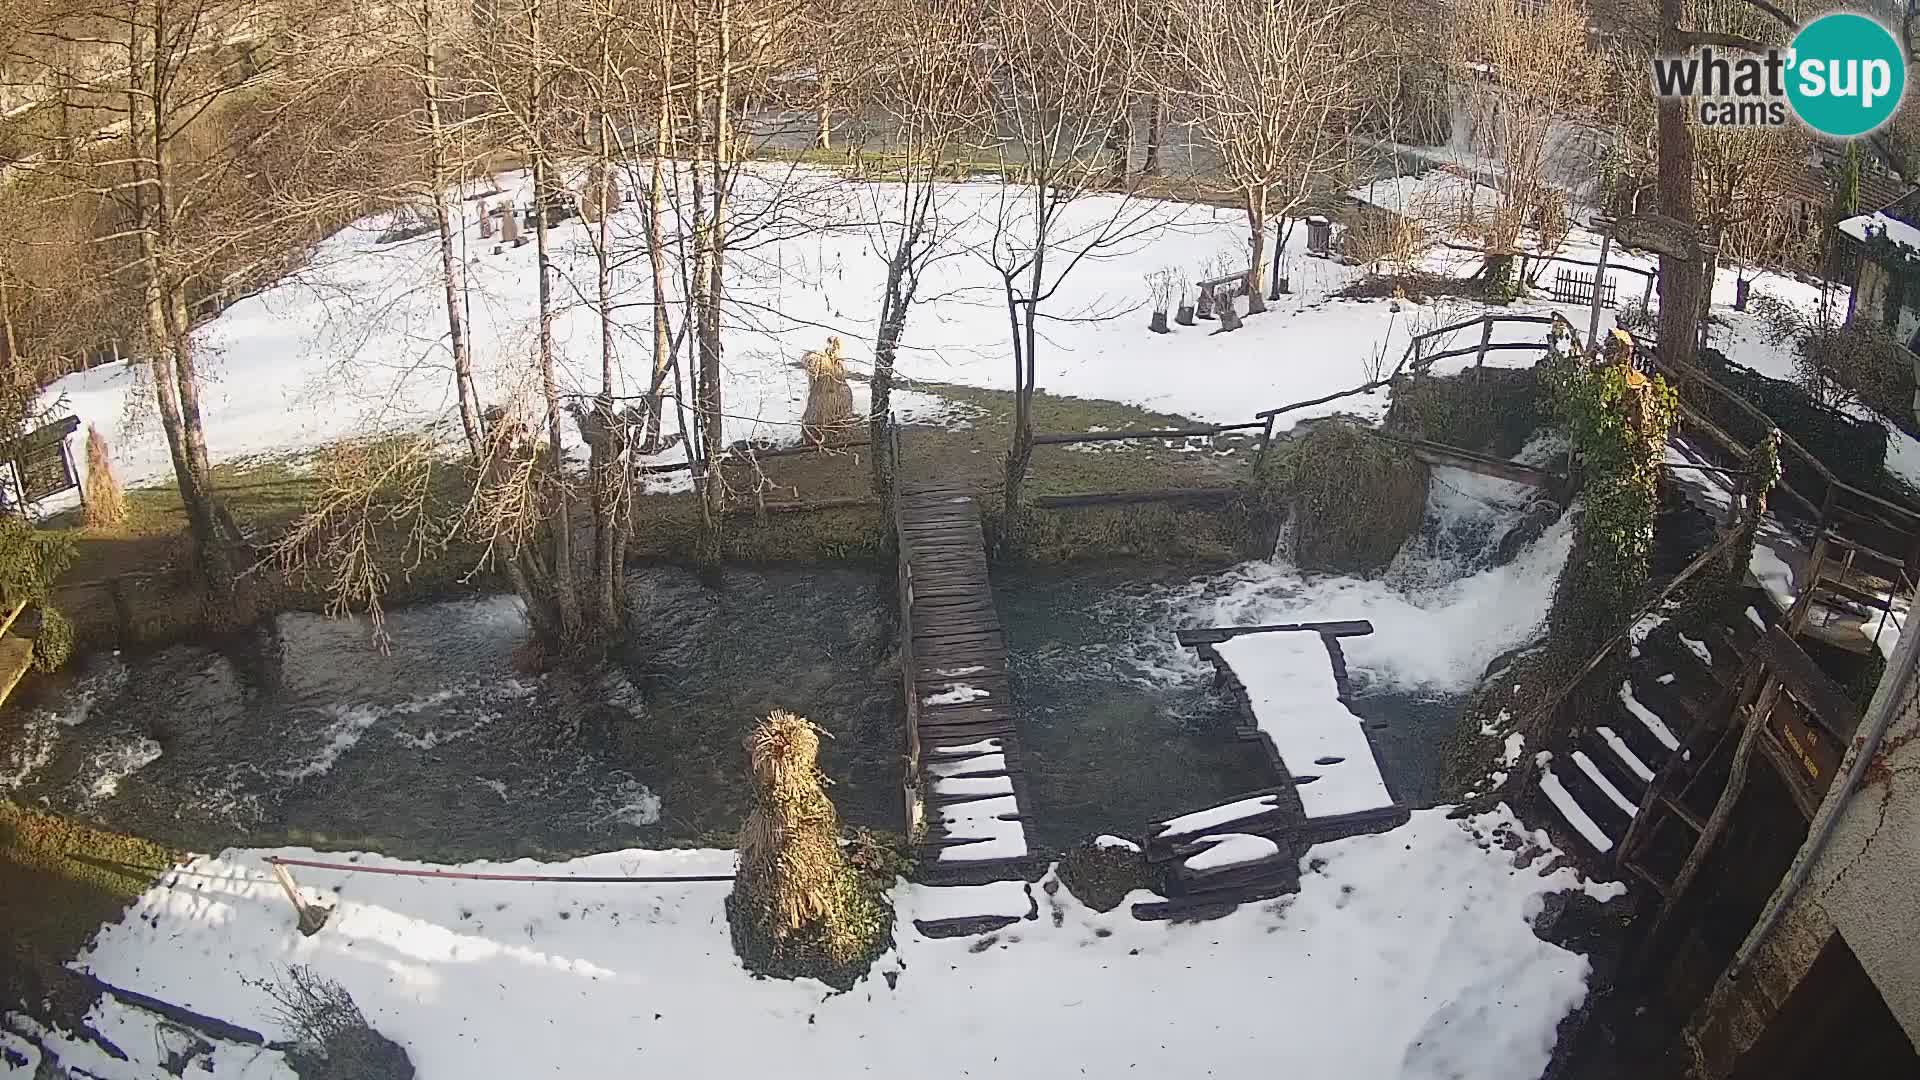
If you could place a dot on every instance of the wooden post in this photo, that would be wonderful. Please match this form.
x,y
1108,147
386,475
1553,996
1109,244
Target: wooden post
x,y
1599,276
311,916
1266,438
1486,339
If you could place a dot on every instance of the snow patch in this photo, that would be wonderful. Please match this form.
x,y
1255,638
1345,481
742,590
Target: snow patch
x,y
1290,687
1231,849
1405,954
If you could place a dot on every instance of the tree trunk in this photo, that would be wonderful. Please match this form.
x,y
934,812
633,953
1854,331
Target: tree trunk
x,y
823,114
1156,119
175,380
565,599
1741,287
1120,148
608,466
710,353
657,255
1256,198
1680,285
443,222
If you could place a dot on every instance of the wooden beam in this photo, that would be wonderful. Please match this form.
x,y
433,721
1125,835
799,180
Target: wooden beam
x,y
1114,498
1214,635
1121,436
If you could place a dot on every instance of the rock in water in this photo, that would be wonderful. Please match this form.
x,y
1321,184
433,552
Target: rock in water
x,y
829,410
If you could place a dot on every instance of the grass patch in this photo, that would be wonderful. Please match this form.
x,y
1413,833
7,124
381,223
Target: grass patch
x,y
59,881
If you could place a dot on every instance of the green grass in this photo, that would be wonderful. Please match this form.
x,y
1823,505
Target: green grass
x,y
148,553
59,881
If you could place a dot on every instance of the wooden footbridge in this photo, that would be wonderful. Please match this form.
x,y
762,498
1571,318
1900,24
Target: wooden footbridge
x,y
965,782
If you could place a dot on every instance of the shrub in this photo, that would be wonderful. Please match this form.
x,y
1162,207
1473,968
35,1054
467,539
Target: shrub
x,y
1493,410
53,645
1856,450
1102,877
330,1038
1355,498
798,908
1854,363
1618,421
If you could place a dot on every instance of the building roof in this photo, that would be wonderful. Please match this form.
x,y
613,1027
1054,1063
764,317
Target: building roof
x,y
1863,227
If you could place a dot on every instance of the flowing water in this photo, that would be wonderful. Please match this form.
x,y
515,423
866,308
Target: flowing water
x,y
304,733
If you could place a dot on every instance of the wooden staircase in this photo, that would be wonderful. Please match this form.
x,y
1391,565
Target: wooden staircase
x,y
16,654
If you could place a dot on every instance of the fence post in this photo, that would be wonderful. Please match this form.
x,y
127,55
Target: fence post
x,y
1486,339
1599,276
1266,437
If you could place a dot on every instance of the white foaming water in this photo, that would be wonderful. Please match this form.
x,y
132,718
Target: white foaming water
x,y
30,750
633,803
344,726
111,764
1441,612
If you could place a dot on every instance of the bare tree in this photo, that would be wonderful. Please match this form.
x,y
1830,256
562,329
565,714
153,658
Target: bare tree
x,y
1274,83
164,141
1538,75
934,91
1066,69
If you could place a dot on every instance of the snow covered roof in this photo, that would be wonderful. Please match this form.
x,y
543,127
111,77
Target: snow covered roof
x,y
1879,223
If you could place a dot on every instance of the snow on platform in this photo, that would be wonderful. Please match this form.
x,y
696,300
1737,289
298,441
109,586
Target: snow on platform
x,y
1288,676
1231,849
995,899
1405,954
1215,816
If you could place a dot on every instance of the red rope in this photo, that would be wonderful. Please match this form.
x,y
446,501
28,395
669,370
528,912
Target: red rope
x,y
275,860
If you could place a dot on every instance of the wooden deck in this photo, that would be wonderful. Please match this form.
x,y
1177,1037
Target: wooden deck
x,y
965,777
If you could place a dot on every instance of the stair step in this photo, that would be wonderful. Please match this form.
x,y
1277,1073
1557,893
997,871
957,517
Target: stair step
x,y
1572,812
1624,779
1650,720
1625,755
1607,787
1592,798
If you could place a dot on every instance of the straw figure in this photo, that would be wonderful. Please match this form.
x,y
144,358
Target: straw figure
x,y
798,909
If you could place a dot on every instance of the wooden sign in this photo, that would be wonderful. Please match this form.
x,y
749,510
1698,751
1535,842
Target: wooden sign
x,y
1814,755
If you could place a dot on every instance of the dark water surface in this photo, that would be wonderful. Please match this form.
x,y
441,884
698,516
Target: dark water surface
x,y
304,733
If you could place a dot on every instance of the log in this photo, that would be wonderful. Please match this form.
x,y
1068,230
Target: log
x,y
1117,498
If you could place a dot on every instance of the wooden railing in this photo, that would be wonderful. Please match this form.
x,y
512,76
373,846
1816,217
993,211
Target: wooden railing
x,y
1419,361
1854,528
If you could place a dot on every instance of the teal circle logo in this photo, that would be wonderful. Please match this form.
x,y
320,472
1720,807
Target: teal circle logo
x,y
1846,74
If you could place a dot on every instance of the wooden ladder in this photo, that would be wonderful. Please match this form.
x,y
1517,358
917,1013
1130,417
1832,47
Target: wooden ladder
x,y
1683,783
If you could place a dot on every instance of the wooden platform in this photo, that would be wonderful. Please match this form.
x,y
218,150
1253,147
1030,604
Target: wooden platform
x,y
16,655
963,745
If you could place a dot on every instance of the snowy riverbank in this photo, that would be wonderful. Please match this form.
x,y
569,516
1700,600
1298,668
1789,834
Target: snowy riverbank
x,y
1405,955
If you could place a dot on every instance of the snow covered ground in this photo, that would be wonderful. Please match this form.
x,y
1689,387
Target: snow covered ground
x,y
1406,955
356,341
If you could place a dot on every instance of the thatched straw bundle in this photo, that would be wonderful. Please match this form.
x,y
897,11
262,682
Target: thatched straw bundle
x,y
106,503
797,907
829,398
